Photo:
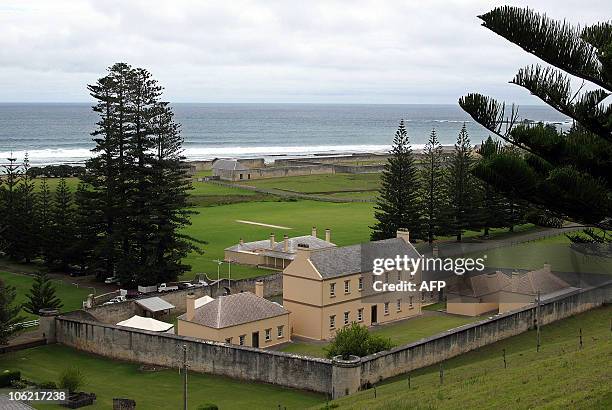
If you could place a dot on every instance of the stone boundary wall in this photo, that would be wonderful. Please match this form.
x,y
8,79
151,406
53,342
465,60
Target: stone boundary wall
x,y
337,378
452,343
162,349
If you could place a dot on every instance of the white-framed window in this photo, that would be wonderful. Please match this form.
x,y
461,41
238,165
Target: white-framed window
x,y
280,331
398,305
332,321
410,302
332,289
228,340
241,340
360,283
386,308
347,286
268,334
346,318
360,315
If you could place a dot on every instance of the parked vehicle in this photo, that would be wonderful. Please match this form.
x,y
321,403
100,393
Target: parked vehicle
x,y
116,299
166,288
147,289
111,280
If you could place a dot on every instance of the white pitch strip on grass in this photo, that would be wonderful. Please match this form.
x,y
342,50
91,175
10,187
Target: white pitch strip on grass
x,y
261,224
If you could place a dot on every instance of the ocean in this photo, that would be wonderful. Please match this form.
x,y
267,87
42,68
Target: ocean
x,y
60,133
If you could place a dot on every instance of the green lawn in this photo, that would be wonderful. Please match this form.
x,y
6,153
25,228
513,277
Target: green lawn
x,y
316,184
151,390
348,221
556,251
71,296
560,376
400,333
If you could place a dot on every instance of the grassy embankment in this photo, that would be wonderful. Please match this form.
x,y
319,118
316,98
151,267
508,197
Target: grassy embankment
x,y
71,296
400,333
561,375
151,389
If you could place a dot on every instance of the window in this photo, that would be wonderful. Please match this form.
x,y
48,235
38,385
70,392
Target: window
x,y
332,289
387,277
399,305
280,331
360,283
422,296
347,286
346,318
410,302
332,321
228,340
399,275
242,337
360,315
431,295
268,334
386,308
241,176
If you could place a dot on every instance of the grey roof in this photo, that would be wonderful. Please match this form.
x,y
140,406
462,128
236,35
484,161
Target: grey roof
x,y
229,165
525,283
154,304
236,309
263,246
348,260
7,404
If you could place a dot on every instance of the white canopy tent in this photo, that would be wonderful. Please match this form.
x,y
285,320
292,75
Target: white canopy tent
x,y
147,323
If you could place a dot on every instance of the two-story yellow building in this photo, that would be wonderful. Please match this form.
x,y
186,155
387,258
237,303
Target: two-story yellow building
x,y
327,289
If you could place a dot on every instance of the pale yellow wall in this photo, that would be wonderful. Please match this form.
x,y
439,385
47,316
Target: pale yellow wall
x,y
245,258
305,320
220,335
461,305
307,291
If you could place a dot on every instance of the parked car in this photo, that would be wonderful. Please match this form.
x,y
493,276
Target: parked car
x,y
166,288
185,285
116,299
111,280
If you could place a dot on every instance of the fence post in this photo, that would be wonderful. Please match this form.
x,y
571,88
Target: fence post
x,y
538,323
505,365
580,338
441,374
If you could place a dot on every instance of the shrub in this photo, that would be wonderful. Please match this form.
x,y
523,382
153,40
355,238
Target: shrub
x,y
19,384
208,406
356,340
71,379
47,385
8,376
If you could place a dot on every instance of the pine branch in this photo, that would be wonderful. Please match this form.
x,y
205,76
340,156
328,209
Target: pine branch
x,y
557,43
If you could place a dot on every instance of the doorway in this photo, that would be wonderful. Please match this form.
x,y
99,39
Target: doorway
x,y
255,340
374,314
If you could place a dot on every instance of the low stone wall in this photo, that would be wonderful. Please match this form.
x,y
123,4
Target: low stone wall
x,y
337,378
163,349
469,337
358,169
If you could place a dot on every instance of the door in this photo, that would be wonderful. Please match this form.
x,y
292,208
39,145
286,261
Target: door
x,y
374,314
255,341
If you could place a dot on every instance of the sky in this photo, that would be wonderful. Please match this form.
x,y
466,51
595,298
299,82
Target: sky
x,y
383,51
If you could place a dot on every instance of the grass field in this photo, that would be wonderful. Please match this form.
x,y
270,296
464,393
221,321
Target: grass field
x,y
348,221
403,332
71,296
560,376
320,184
151,390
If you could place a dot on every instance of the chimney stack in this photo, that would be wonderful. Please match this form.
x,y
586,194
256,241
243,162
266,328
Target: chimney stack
x,y
241,241
314,231
272,240
327,235
303,251
286,243
547,268
404,234
190,306
259,288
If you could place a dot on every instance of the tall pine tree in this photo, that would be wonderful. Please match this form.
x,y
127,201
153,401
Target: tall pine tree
x,y
432,177
493,205
26,241
462,195
9,312
63,227
398,205
43,212
9,229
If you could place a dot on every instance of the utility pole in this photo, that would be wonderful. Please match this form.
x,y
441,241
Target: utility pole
x,y
538,323
184,377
